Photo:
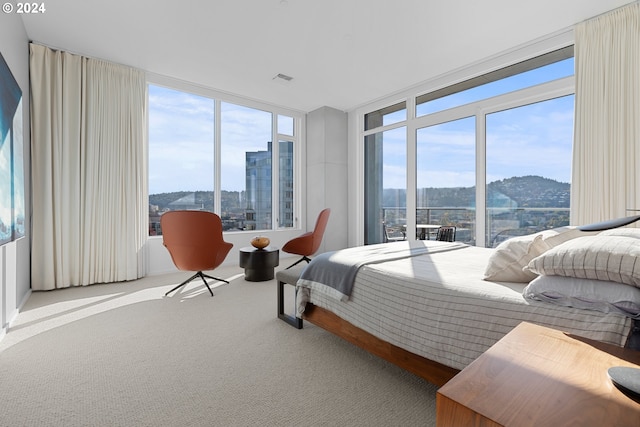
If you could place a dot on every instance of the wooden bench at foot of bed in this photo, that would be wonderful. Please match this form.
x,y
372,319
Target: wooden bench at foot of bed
x,y
434,372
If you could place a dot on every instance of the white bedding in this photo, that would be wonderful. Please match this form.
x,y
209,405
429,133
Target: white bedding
x,y
438,306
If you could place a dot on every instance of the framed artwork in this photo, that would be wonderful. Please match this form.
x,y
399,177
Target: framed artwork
x,y
12,206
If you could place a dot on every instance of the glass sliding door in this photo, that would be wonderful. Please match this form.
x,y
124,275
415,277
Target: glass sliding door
x,y
385,185
528,168
445,178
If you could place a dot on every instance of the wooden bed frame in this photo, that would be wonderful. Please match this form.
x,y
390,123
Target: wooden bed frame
x,y
431,371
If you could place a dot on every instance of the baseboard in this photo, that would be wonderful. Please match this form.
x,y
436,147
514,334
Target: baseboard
x,y
7,326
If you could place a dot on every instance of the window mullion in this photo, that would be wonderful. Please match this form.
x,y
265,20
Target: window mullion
x,y
481,177
411,170
217,142
275,173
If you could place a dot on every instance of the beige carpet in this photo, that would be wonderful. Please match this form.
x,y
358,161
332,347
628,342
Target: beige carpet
x,y
124,355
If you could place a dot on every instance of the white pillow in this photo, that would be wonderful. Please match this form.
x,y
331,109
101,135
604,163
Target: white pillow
x,y
557,236
608,258
629,232
587,294
507,260
511,256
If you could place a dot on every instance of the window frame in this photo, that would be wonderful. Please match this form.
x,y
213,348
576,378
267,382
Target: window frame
x,y
299,123
497,75
556,88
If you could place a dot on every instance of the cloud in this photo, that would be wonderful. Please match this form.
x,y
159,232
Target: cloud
x,y
534,139
181,141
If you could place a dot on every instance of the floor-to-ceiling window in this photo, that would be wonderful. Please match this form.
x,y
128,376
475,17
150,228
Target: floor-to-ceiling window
x,y
206,153
385,175
246,181
181,152
490,155
528,159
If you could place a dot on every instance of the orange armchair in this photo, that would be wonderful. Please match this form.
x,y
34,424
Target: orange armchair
x,y
308,243
194,241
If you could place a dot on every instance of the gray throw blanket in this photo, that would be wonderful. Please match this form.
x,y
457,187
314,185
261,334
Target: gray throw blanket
x,y
333,273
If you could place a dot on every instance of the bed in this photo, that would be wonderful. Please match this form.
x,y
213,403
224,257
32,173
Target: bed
x,y
433,307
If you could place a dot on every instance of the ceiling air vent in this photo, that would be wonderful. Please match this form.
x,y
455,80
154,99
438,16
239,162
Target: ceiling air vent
x,y
282,78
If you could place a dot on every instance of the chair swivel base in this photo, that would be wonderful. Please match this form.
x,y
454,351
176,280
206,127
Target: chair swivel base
x,y
304,258
202,276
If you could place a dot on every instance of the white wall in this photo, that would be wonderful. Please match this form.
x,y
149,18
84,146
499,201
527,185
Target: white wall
x,y
15,256
327,167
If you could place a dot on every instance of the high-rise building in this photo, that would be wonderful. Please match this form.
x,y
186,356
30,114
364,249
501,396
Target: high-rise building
x,y
259,186
285,192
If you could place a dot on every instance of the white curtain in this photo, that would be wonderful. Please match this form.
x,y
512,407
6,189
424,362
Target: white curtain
x,y
89,170
606,157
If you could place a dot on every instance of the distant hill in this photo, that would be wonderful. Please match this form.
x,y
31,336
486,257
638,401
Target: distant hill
x,y
533,191
525,191
204,199
529,191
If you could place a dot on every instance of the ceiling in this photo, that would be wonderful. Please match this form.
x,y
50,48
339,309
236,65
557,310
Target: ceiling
x,y
340,53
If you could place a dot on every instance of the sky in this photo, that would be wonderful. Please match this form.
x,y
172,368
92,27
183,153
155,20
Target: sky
x,y
180,141
530,140
181,135
535,139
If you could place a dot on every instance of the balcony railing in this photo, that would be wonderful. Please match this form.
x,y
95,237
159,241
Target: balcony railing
x,y
502,223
